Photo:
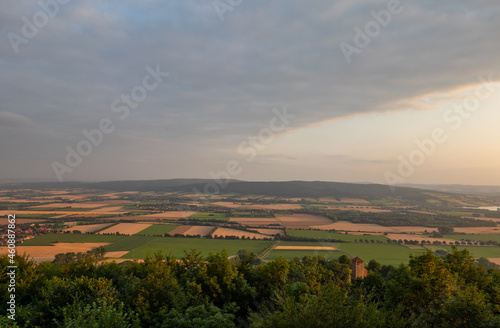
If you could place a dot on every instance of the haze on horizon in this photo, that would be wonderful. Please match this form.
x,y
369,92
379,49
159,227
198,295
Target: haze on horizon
x,y
350,91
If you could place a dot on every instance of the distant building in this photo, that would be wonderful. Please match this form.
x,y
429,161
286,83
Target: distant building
x,y
358,268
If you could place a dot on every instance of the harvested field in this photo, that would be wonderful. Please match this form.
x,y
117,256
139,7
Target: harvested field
x,y
478,230
495,260
88,227
48,253
270,232
110,209
354,200
4,221
329,248
237,233
126,228
255,222
198,230
180,230
301,220
173,215
72,205
70,224
116,254
370,228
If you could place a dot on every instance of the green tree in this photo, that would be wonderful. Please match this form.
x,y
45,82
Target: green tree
x,y
99,314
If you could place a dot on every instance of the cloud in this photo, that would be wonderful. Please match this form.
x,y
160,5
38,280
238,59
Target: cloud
x,y
227,76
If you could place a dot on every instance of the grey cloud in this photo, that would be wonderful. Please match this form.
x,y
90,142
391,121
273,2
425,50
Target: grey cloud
x,y
227,76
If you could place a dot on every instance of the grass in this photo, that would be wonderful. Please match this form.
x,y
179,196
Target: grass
x,y
47,240
339,236
209,216
176,246
306,243
291,254
251,215
383,253
495,237
158,229
128,243
479,251
35,216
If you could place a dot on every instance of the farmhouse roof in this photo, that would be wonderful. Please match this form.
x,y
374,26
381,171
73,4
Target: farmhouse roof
x,y
357,260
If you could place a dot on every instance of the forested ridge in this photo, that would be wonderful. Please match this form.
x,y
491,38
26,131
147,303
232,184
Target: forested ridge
x,y
81,291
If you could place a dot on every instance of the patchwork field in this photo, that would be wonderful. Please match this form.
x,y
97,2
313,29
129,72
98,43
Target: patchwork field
x,y
478,230
332,235
158,229
384,253
126,228
209,216
325,248
198,230
259,206
370,228
176,246
302,220
482,237
48,253
270,232
291,254
49,239
237,233
88,227
4,220
170,215
180,230
256,222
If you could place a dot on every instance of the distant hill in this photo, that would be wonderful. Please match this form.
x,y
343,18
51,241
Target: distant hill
x,y
490,191
301,189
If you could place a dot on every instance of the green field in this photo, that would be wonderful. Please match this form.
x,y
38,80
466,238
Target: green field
x,y
479,251
46,240
176,246
291,254
251,215
129,242
339,236
158,229
307,243
383,253
209,216
495,237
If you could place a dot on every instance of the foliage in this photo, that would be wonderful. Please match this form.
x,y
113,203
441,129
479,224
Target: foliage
x,y
214,291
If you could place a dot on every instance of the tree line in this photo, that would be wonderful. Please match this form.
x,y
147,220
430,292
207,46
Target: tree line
x,y
447,291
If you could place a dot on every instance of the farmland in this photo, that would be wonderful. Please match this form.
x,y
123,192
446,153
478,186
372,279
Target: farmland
x,y
319,234
177,246
209,216
141,219
158,229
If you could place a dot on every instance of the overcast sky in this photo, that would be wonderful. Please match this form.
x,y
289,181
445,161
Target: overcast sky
x,y
355,91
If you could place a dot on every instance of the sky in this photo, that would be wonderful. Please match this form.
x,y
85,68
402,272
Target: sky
x,y
351,91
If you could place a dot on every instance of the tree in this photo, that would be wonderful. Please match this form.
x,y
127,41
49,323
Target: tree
x,y
374,266
445,230
101,313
